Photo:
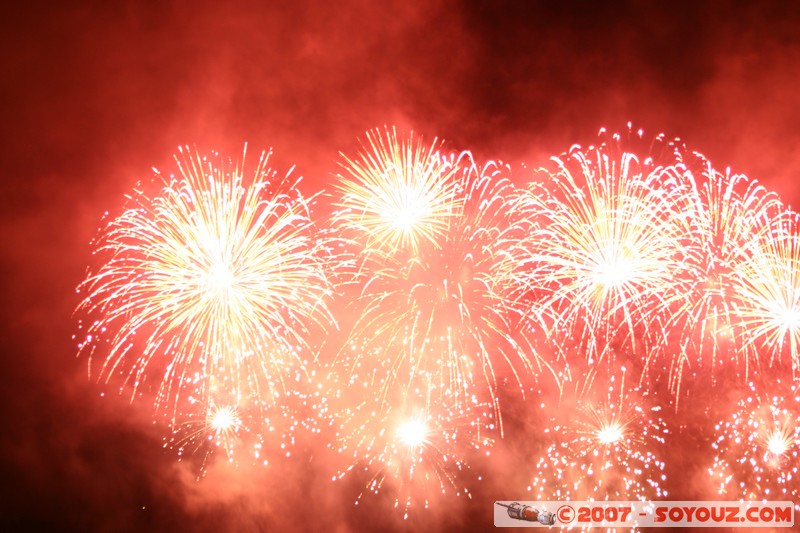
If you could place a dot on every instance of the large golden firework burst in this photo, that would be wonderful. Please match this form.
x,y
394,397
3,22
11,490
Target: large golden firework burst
x,y
210,284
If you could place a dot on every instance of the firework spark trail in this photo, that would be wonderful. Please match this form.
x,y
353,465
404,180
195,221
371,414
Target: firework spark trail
x,y
757,447
602,254
767,294
604,444
438,312
726,212
216,279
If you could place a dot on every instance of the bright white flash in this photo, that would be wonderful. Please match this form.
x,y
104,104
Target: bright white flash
x,y
790,319
223,419
615,271
610,433
407,209
778,443
412,432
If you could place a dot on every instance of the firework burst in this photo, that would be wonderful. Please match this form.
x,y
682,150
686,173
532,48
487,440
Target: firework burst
x,y
767,297
602,251
757,447
725,213
208,426
397,195
216,278
219,424
603,447
414,449
439,315
208,291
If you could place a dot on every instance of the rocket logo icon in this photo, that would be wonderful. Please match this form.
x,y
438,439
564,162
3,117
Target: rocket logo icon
x,y
529,514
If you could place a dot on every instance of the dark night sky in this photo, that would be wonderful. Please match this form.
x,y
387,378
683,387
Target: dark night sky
x,y
94,94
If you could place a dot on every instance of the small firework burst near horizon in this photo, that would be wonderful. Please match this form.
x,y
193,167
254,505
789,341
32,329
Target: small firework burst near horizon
x,y
206,290
757,446
603,444
414,448
205,427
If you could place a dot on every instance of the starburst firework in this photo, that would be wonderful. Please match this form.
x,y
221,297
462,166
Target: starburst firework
x,y
397,195
207,426
767,294
414,448
601,253
216,280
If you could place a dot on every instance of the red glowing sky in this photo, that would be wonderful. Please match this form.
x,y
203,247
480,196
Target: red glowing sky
x,y
94,94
